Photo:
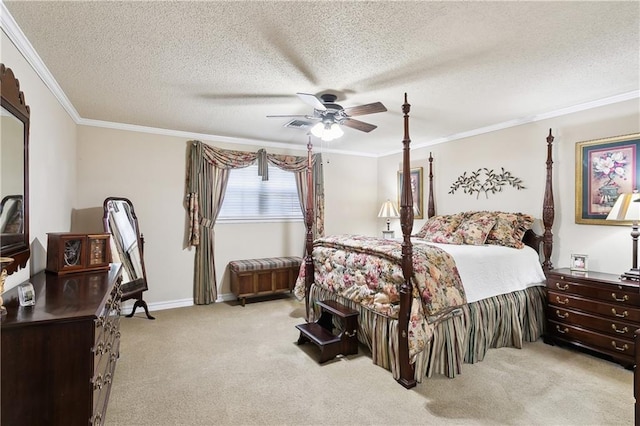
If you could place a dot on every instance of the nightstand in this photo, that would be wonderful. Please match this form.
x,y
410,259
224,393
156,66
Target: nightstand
x,y
593,310
388,235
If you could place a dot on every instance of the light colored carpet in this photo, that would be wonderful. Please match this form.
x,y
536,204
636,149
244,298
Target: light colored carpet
x,y
225,364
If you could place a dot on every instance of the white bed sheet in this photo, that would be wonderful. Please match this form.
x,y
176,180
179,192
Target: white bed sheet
x,y
490,270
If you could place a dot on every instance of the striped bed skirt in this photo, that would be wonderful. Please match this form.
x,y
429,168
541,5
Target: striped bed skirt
x,y
506,320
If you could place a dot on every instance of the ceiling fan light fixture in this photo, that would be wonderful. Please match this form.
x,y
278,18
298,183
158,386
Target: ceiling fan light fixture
x,y
336,131
327,131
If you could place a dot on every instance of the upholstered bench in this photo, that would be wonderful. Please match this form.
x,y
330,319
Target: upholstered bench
x,y
262,277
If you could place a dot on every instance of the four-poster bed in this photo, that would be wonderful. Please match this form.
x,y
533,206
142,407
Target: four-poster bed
x,y
414,313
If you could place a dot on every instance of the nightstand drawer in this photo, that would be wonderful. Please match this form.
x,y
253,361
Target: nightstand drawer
x,y
591,339
625,294
609,310
609,326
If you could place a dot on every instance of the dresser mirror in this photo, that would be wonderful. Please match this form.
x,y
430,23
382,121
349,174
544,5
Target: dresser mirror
x,y
127,248
14,172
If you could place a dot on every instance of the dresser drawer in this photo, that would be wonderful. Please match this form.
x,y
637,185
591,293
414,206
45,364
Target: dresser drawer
x,y
612,327
619,294
609,310
619,347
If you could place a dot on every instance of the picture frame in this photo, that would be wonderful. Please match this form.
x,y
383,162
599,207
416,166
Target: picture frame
x,y
605,168
416,191
579,262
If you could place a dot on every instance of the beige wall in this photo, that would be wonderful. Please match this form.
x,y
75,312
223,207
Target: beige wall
x,y
522,151
149,170
52,160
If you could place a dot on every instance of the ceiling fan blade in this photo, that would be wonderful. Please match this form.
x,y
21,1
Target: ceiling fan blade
x,y
365,109
289,115
312,100
358,125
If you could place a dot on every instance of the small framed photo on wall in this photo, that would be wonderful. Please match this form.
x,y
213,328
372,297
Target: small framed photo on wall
x,y
579,262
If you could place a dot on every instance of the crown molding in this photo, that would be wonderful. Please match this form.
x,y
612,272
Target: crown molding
x,y
635,94
17,37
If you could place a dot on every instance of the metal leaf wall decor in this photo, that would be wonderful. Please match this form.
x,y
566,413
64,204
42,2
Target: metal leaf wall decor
x,y
490,182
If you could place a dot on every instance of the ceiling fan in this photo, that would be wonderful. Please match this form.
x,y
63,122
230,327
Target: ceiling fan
x,y
330,116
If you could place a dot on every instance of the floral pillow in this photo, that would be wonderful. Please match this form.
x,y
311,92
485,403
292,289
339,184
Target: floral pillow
x,y
444,238
509,229
475,227
441,229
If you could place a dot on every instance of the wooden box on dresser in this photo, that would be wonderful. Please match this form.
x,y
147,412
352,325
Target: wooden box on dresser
x,y
58,356
593,310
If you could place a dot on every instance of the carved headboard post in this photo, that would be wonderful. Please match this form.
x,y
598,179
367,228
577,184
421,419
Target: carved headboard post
x,y
431,208
407,374
308,260
548,210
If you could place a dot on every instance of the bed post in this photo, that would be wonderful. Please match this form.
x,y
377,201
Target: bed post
x,y
308,260
407,375
431,208
548,211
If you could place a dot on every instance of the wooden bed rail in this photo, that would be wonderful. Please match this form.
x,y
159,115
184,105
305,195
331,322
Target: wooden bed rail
x,y
431,207
407,375
308,260
548,210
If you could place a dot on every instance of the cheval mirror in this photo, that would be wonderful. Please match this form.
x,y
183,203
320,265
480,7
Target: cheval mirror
x,y
127,248
14,172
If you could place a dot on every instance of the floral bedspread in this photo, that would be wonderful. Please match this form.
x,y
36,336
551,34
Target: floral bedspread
x,y
368,271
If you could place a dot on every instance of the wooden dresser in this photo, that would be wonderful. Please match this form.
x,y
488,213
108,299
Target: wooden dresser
x,y
595,311
59,356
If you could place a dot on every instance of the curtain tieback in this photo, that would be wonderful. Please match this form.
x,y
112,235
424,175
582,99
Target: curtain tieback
x,y
207,223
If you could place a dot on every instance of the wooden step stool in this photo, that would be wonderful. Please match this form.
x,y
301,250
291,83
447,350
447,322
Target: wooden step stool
x,y
321,332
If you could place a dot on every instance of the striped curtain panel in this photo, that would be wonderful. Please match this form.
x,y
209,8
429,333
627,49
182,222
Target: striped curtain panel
x,y
206,182
207,177
298,165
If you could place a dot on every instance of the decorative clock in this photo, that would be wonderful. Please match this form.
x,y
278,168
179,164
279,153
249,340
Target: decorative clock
x,y
70,252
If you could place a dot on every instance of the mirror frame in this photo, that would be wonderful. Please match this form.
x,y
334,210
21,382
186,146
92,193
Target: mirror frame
x,y
13,101
141,282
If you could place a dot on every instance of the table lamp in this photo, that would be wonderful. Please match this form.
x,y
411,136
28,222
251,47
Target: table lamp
x,y
627,208
388,210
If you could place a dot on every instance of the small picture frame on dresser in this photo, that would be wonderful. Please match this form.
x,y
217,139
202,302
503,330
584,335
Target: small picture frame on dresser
x,y
579,262
26,294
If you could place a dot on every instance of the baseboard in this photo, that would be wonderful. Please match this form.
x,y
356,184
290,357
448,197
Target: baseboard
x,y
227,297
171,304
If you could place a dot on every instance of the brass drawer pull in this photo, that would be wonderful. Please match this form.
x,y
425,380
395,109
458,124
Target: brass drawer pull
x,y
624,298
98,383
622,315
560,315
620,348
566,301
622,331
100,322
563,288
562,330
97,419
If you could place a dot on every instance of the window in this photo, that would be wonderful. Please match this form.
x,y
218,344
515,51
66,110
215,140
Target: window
x,y
249,198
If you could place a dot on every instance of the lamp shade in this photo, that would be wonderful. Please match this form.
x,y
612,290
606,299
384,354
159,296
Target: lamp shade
x,y
626,207
388,210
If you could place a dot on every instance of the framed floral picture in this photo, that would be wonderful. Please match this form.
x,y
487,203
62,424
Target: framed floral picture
x,y
605,168
416,191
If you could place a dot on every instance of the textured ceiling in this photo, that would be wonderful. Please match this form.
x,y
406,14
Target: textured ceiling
x,y
220,67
